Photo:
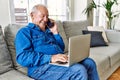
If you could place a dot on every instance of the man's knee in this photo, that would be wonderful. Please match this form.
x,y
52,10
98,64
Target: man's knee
x,y
89,63
78,68
79,71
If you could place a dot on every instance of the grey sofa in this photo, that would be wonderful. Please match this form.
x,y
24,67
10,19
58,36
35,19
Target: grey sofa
x,y
107,58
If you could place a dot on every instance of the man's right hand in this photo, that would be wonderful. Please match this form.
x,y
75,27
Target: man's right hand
x,y
59,57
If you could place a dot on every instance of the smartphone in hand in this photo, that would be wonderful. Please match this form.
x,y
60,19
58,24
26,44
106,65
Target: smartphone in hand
x,y
50,24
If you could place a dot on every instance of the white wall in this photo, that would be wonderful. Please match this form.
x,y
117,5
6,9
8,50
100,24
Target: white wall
x,y
4,12
79,6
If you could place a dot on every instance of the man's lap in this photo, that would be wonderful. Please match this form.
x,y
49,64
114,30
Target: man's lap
x,y
57,72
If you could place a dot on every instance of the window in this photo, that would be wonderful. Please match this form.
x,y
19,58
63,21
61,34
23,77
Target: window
x,y
99,14
58,11
100,18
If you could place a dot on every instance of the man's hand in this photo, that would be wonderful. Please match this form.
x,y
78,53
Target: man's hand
x,y
54,29
59,57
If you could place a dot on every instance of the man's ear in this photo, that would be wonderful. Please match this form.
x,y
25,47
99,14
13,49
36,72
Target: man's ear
x,y
31,14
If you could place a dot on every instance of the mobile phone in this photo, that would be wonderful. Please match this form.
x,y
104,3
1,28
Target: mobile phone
x,y
50,24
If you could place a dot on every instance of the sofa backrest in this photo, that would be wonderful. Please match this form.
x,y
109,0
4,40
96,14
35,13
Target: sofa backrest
x,y
73,28
10,32
63,35
5,58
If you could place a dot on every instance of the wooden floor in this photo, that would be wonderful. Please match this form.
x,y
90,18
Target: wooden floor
x,y
115,75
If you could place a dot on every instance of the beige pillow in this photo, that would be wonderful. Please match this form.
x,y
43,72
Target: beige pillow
x,y
98,28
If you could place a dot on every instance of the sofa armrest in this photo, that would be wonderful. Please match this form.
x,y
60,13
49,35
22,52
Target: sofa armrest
x,y
113,36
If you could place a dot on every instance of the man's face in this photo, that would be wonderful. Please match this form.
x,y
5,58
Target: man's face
x,y
40,17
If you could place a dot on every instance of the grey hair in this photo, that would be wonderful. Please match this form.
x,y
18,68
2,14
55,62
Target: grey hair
x,y
35,7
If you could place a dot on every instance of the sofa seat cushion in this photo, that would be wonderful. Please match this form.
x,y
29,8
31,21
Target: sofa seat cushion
x,y
102,62
14,75
112,51
5,58
22,70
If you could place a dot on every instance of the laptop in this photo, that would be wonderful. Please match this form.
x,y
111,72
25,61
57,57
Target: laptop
x,y
78,49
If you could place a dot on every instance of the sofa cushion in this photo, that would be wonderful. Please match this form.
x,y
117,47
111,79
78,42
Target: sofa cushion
x,y
10,32
23,70
113,36
112,51
98,28
62,33
102,62
5,58
73,28
14,75
96,38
